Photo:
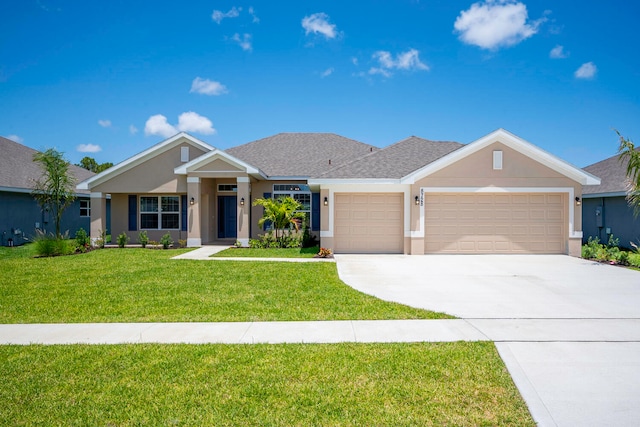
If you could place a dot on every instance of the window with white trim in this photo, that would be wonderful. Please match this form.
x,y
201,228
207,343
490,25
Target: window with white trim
x,y
85,208
227,188
159,212
300,193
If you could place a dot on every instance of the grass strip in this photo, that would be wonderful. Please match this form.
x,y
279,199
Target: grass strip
x,y
144,285
268,253
281,385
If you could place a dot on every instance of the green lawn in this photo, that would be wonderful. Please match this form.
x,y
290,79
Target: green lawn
x,y
144,285
417,384
268,253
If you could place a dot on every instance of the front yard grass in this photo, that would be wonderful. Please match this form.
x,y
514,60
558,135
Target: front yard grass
x,y
287,384
268,253
145,285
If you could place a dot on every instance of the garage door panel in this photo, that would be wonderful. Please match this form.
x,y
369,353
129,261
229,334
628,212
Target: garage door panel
x,y
501,223
371,223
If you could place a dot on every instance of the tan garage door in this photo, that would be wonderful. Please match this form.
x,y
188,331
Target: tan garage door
x,y
495,223
368,223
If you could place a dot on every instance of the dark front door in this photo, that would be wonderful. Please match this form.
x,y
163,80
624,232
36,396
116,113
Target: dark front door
x,y
227,217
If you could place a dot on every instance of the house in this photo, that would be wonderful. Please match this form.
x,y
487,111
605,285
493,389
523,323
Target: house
x,y
605,210
499,194
20,214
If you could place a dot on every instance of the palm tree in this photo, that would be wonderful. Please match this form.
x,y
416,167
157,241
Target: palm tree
x,y
281,213
630,154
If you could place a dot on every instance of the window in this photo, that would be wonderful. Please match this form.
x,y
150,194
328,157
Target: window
x,y
300,193
184,154
85,208
222,188
160,212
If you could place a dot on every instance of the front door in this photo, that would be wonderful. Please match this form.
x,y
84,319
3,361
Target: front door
x,y
227,217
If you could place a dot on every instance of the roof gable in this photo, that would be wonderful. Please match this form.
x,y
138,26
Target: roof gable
x,y
513,142
300,154
19,171
142,157
216,161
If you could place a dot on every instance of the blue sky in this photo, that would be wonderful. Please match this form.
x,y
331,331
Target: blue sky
x,y
110,79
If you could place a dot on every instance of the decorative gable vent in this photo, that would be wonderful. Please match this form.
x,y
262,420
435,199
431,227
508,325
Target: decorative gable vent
x,y
497,160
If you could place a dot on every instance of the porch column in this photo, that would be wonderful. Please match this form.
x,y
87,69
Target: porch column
x,y
98,216
244,207
194,239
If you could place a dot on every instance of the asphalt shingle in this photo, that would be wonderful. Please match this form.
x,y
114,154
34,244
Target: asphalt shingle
x,y
18,170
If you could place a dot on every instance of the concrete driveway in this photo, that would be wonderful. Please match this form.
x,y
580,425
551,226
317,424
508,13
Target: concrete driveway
x,y
567,329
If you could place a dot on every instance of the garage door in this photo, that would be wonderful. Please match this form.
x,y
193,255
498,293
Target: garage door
x,y
495,223
368,223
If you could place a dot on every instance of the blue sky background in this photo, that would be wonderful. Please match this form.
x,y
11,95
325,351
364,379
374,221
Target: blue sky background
x,y
110,79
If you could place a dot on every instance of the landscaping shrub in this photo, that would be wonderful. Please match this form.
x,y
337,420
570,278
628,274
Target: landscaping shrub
x,y
166,241
123,239
47,245
143,238
83,241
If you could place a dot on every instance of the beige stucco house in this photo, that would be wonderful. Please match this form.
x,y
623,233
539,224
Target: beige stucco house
x,y
499,194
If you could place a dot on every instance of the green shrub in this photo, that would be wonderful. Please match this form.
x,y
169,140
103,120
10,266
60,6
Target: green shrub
x,y
123,239
622,257
166,241
182,243
47,245
591,249
100,241
634,259
143,238
82,240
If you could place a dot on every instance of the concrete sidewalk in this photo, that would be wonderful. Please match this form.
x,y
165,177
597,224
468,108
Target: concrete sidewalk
x,y
382,331
204,254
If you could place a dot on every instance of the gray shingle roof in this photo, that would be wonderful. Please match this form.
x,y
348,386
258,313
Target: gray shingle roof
x,y
300,154
394,161
612,173
18,170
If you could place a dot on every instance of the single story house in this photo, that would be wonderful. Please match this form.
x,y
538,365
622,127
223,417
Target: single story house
x,y
605,210
21,215
499,194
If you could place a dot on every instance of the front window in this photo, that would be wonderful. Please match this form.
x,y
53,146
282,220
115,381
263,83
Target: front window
x,y
301,193
161,212
85,208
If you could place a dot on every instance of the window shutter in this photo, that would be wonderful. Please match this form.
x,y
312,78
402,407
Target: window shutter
x,y
267,224
133,212
315,211
183,208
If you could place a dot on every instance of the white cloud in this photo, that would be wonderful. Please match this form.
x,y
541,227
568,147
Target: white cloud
x,y
133,130
327,72
495,23
88,148
104,123
409,61
15,138
354,60
219,15
244,41
587,70
194,122
207,87
318,23
558,52
158,125
252,12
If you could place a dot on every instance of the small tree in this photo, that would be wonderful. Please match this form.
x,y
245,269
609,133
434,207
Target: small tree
x,y
630,154
55,189
281,212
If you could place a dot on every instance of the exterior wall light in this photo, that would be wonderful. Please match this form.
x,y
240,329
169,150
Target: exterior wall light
x,y
242,201
417,201
326,201
192,201
578,201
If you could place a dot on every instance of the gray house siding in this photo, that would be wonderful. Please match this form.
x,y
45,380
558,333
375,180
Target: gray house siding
x,y
20,212
616,218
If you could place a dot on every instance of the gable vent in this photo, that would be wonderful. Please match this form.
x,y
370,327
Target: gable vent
x,y
497,160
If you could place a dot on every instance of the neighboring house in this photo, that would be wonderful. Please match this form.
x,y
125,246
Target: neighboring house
x,y
605,210
20,214
499,194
